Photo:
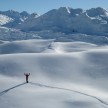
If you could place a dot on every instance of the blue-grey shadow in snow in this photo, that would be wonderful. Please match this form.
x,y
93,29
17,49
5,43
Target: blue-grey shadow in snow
x,y
7,90
52,87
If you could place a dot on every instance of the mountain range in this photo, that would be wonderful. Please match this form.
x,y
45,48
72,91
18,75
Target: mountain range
x,y
68,20
13,18
56,23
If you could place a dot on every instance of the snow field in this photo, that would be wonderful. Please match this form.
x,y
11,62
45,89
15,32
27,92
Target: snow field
x,y
56,69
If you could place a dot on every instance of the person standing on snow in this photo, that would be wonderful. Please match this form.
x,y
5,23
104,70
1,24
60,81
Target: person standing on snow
x,y
27,76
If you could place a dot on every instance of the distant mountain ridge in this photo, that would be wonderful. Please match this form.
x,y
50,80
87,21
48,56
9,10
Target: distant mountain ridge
x,y
68,20
15,17
93,21
63,24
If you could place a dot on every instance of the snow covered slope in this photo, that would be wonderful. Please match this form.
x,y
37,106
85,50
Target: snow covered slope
x,y
66,74
44,46
63,75
10,34
25,46
5,19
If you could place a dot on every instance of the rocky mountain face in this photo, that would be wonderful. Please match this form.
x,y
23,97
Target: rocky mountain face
x,y
63,24
93,21
13,18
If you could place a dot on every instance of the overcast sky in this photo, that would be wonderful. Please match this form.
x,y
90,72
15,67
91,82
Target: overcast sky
x,y
42,6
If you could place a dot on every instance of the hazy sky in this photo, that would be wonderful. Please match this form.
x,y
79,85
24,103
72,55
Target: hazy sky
x,y
42,6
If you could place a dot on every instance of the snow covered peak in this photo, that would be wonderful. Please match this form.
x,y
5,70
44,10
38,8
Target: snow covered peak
x,y
70,10
12,11
64,19
5,19
69,20
77,11
24,13
16,17
34,15
64,9
93,12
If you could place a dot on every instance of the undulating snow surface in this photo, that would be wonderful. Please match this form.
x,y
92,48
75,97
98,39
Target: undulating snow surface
x,y
63,74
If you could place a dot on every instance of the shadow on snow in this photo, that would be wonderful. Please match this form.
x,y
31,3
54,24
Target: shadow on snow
x,y
7,90
52,87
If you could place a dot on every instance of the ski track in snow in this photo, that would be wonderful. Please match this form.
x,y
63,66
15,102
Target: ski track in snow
x,y
7,90
89,51
53,87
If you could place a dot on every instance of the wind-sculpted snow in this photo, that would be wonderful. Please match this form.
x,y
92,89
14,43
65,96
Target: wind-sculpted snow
x,y
25,46
67,47
63,74
44,46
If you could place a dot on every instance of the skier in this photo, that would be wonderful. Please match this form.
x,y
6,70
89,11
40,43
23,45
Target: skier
x,y
27,76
